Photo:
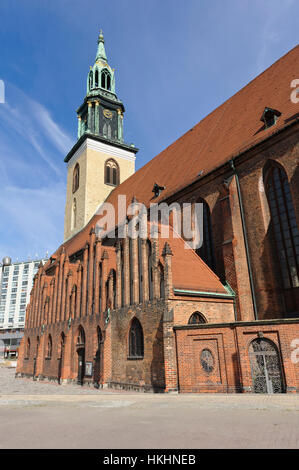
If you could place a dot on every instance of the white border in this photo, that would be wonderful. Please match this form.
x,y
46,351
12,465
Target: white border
x,y
101,147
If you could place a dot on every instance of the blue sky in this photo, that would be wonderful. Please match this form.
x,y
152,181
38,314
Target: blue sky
x,y
175,62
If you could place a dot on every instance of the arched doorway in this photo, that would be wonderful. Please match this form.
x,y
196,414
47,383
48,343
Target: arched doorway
x,y
97,375
60,356
265,367
80,347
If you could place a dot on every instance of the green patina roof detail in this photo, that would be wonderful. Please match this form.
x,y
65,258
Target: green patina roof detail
x,y
101,53
94,81
230,293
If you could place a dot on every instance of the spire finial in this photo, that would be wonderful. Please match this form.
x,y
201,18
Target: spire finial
x,y
101,36
101,53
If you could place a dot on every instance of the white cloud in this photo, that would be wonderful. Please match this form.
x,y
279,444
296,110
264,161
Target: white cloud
x,y
32,197
32,121
33,219
274,12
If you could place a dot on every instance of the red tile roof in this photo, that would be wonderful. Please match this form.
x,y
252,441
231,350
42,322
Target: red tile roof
x,y
189,271
230,129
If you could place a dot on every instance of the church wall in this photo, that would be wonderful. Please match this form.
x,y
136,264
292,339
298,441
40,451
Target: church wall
x,y
220,192
229,345
213,310
265,264
147,373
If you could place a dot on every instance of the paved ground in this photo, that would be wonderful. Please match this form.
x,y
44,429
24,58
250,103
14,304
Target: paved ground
x,y
40,415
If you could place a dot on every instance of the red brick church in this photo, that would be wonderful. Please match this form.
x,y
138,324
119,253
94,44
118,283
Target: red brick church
x,y
149,314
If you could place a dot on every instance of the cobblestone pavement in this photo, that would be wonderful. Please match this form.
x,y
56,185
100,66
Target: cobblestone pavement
x,y
42,415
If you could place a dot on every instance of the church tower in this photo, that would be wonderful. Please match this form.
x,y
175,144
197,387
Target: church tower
x,y
100,160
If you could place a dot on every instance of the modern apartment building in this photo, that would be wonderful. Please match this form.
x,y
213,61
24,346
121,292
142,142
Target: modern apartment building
x,y
16,280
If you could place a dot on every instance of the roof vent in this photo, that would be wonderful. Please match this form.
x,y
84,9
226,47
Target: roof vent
x,y
269,117
157,189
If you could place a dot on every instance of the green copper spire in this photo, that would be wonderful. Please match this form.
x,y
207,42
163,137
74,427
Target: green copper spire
x,y
101,53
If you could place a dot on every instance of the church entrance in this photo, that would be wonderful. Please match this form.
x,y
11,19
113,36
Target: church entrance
x,y
265,367
80,347
81,365
60,357
98,360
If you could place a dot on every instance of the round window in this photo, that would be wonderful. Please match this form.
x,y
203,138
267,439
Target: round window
x,y
207,360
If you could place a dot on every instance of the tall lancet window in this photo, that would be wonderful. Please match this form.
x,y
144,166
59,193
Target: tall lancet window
x,y
76,177
150,269
140,269
284,230
206,251
131,270
122,270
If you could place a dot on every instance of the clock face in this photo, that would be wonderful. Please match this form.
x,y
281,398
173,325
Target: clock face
x,y
107,113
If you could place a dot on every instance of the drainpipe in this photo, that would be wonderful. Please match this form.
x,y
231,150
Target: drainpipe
x,y
245,239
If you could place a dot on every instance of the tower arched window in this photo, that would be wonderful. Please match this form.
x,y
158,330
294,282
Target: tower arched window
x,y
136,343
111,172
196,319
76,177
90,79
105,79
206,251
284,230
96,78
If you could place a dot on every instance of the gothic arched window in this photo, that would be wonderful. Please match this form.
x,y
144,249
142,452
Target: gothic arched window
x,y
61,345
90,77
284,225
105,79
136,345
150,269
81,337
96,78
114,288
161,280
206,251
111,172
140,269
76,177
196,318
